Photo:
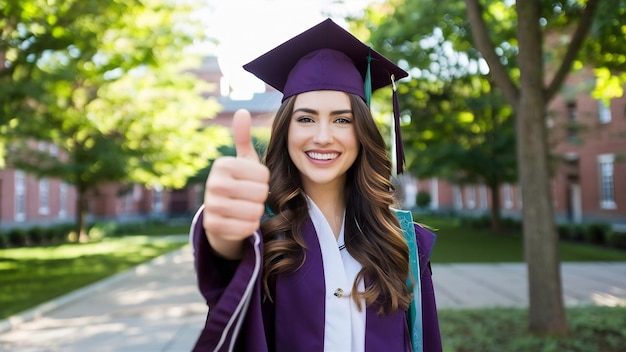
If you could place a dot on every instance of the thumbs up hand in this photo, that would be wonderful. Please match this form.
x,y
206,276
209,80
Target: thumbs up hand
x,y
235,193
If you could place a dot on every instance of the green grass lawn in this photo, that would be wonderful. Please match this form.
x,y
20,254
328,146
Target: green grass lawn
x,y
592,329
31,276
456,244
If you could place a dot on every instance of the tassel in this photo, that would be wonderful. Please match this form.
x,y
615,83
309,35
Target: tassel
x,y
398,137
368,81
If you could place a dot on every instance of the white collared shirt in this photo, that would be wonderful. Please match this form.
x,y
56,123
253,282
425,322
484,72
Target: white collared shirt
x,y
344,328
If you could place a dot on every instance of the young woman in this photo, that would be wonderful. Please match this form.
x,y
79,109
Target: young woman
x,y
303,252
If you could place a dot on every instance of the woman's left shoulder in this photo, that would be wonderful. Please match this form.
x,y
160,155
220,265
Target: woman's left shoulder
x,y
425,241
423,232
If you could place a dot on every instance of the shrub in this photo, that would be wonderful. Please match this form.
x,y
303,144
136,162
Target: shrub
x,y
35,235
563,230
597,233
129,228
511,223
17,237
422,199
101,230
3,240
617,240
48,234
478,222
60,232
576,232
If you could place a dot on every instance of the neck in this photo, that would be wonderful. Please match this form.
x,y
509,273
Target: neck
x,y
331,203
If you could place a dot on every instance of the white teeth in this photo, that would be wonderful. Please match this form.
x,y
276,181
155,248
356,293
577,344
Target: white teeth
x,y
322,156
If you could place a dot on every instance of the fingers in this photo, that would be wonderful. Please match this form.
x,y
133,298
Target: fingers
x,y
232,219
237,188
241,134
235,193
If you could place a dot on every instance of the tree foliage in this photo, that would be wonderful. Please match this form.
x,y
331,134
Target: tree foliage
x,y
108,83
529,48
460,129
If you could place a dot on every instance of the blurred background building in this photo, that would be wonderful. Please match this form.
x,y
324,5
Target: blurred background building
x,y
589,171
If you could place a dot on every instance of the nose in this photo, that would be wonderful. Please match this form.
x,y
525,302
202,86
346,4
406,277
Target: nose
x,y
323,134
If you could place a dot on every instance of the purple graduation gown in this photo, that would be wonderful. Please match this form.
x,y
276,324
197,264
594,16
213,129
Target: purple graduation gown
x,y
296,321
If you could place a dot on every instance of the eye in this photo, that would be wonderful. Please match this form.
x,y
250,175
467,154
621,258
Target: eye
x,y
304,119
343,120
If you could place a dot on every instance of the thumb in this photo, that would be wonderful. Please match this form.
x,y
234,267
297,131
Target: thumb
x,y
242,137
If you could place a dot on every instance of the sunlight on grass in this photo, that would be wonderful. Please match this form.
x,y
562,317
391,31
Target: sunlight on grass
x,y
74,250
30,276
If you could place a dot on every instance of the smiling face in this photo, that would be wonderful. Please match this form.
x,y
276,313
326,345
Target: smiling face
x,y
322,141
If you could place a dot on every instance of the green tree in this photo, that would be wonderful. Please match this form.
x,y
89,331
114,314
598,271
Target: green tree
x,y
463,132
511,37
461,128
118,99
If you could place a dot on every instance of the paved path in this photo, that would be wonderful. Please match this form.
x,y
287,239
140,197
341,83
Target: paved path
x,y
506,284
157,307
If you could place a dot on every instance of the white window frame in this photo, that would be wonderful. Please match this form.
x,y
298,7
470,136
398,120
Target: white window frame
x,y
20,196
606,181
484,203
470,197
458,197
63,193
604,112
127,206
507,196
157,199
44,196
434,193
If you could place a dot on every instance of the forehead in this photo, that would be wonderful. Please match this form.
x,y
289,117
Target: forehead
x,y
320,100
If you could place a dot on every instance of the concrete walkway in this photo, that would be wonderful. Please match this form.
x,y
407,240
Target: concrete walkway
x,y
157,307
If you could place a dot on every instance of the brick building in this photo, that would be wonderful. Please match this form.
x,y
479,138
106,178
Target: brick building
x,y
588,138
589,172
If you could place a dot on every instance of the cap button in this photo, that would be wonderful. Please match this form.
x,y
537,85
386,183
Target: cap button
x,y
338,293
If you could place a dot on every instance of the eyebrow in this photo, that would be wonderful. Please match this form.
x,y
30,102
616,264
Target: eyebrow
x,y
315,112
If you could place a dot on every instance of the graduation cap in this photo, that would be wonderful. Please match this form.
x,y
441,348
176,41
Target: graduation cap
x,y
327,57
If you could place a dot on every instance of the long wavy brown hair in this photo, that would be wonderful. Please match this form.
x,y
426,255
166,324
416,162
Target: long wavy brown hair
x,y
372,232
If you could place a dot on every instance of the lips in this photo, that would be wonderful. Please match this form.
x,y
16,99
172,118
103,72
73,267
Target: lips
x,y
322,156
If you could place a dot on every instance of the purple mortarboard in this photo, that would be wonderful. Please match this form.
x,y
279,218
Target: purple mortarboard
x,y
327,57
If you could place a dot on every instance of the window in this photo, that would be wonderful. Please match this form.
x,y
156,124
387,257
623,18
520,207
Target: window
x,y
508,197
20,196
607,196
44,195
470,197
434,193
157,199
572,119
604,111
484,204
127,206
458,197
63,200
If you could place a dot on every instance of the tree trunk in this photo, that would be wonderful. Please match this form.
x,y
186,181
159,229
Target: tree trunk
x,y
546,309
81,211
496,223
